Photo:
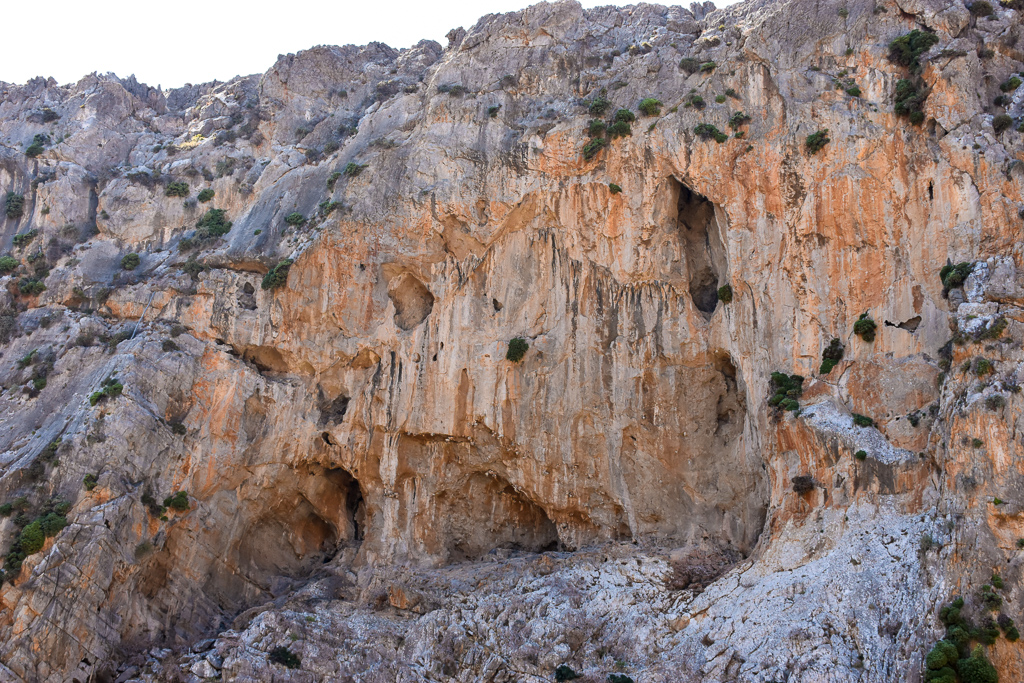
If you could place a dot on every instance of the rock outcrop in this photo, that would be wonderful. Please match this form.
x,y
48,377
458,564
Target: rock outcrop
x,y
267,413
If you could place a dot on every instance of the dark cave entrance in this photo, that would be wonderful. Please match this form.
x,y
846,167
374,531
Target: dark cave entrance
x,y
703,247
299,531
490,513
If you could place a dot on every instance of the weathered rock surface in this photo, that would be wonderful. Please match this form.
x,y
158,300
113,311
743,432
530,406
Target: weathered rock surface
x,y
300,436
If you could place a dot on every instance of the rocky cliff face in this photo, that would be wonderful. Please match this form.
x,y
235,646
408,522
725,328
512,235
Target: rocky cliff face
x,y
261,419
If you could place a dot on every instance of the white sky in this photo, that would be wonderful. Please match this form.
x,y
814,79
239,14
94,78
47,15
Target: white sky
x,y
172,43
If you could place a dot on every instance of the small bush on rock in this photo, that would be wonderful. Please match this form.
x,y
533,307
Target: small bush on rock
x,y
214,223
650,106
816,141
14,205
725,294
278,275
294,219
706,131
179,501
831,356
862,420
517,349
176,188
907,49
865,328
89,482
130,261
205,195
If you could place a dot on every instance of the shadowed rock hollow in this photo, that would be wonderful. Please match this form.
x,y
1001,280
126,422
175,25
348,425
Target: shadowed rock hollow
x,y
290,427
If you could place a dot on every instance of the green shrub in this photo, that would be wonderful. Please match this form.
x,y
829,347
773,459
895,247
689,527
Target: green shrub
x,y
205,195
6,509
214,223
816,141
942,655
38,145
982,366
1001,122
176,188
977,668
492,111
596,128
719,99
786,389
31,539
861,455
591,149
695,101
326,207
564,672
954,276
277,276
1010,84
831,356
111,388
295,219
8,264
24,238
130,261
49,115
907,49
598,106
282,655
862,420
192,268
707,67
517,348
179,501
31,286
619,678
352,169
689,65
178,428
624,115
995,402
332,180
620,129
977,443
706,131
997,582
650,106
725,294
981,8
89,482
52,523
865,328
14,205
613,188
908,101
738,119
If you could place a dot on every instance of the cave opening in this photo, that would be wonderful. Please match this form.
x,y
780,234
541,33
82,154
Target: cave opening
x,y
300,525
703,247
489,513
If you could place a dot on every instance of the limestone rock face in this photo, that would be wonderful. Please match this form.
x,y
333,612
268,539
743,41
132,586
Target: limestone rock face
x,y
293,439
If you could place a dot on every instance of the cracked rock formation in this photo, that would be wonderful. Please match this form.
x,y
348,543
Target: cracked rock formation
x,y
266,415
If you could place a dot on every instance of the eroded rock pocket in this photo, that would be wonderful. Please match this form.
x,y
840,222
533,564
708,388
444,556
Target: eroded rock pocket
x,y
702,245
413,301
